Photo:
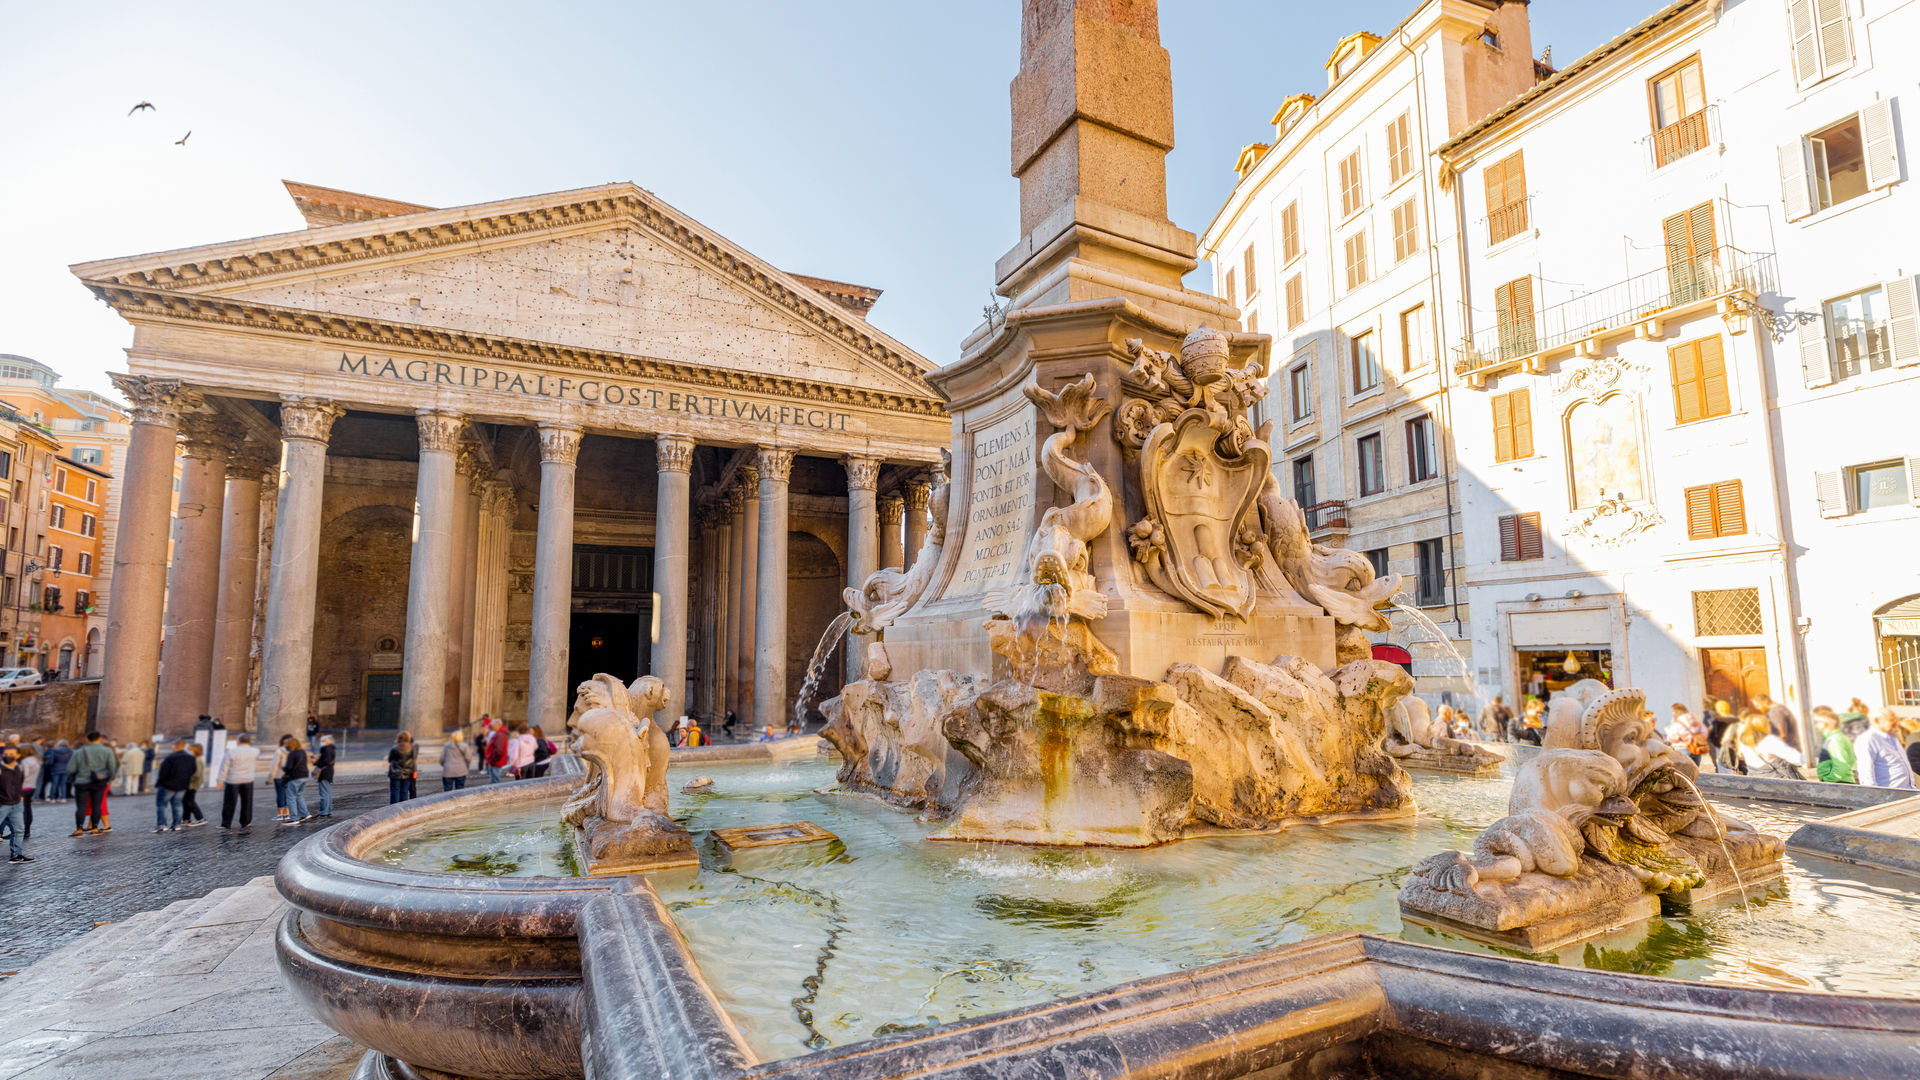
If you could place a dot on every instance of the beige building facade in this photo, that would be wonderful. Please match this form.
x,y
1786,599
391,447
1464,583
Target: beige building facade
x,y
440,463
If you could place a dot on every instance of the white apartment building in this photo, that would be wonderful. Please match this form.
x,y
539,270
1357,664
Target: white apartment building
x,y
1335,241
1687,357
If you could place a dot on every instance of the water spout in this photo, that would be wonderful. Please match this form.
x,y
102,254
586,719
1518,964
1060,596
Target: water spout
x,y
1466,675
836,631
1719,834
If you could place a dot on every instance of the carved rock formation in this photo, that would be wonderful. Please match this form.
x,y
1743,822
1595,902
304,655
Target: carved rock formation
x,y
620,810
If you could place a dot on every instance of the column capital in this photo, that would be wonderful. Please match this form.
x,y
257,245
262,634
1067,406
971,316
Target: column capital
x,y
252,461
440,430
918,492
674,453
309,418
737,499
497,498
559,441
893,510
206,437
155,401
863,473
775,463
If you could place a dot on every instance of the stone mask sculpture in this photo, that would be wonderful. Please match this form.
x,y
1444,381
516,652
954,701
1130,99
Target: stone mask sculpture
x,y
888,593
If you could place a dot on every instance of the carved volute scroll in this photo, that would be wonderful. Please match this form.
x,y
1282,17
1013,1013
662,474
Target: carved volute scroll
x,y
156,401
440,431
863,473
893,510
775,463
674,453
206,437
917,493
309,418
559,441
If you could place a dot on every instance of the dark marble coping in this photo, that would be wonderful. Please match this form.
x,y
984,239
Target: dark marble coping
x,y
647,1013
1876,836
1803,792
325,874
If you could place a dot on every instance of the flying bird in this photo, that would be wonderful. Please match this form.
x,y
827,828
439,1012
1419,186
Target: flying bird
x,y
142,105
182,140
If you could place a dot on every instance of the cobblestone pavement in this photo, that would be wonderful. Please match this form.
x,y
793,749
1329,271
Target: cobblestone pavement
x,y
75,882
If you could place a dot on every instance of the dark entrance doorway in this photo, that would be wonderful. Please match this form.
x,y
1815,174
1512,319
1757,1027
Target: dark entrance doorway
x,y
599,642
1735,676
382,704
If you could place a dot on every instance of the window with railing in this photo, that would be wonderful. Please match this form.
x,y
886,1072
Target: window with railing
x,y
1506,183
1679,112
1513,315
1304,491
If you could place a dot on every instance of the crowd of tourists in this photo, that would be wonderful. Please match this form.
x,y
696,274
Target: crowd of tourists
x,y
1858,746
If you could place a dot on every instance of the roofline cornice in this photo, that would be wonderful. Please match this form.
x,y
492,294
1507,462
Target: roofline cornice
x,y
308,250
142,305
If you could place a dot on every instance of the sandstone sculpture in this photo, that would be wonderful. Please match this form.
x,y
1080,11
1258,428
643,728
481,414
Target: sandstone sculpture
x,y
1601,823
887,594
1417,740
1055,743
620,811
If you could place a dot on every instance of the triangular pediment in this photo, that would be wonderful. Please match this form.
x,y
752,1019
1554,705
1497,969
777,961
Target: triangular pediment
x,y
603,270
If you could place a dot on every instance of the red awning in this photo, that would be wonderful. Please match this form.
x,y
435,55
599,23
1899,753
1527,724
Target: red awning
x,y
1392,654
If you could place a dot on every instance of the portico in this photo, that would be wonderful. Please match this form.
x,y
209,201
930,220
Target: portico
x,y
511,440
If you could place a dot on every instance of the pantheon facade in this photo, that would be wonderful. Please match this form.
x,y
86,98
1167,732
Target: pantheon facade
x,y
446,462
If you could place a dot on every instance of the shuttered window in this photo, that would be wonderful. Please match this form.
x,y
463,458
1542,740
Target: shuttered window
x,y
1406,229
1352,190
1690,254
1232,296
1513,426
1820,43
1715,510
1356,249
1519,537
1399,148
1296,301
1699,380
1506,182
1513,308
1290,232
1246,272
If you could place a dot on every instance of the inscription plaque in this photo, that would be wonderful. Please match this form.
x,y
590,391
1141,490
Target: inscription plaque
x,y
1000,483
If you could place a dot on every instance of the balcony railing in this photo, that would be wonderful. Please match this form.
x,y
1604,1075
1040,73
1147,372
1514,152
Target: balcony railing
x,y
1716,273
1326,516
1694,131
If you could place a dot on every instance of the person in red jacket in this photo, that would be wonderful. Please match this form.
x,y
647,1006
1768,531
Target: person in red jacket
x,y
498,746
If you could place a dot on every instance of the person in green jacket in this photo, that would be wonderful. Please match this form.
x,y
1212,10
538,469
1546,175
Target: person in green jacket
x,y
93,768
1836,750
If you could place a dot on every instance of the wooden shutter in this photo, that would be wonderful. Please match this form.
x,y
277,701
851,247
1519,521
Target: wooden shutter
x,y
1903,321
1794,193
1510,538
1806,43
1830,493
1686,382
1530,546
1700,512
1494,178
1522,423
1715,400
1290,231
1830,17
1913,481
1729,509
1690,243
1232,296
1296,302
1247,271
1815,369
1882,152
1503,427
1513,307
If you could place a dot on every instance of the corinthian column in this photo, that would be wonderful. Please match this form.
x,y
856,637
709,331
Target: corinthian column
x,y
917,492
736,567
670,567
247,469
286,665
711,528
749,588
132,677
770,617
466,529
193,593
490,596
892,510
423,677
552,577
863,546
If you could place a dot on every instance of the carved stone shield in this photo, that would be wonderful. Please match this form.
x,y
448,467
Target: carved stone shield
x,y
1201,499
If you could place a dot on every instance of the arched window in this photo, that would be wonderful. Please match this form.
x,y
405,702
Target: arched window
x,y
1897,628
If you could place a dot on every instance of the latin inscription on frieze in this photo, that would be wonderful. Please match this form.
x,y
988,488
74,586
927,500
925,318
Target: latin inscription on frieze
x,y
594,393
999,505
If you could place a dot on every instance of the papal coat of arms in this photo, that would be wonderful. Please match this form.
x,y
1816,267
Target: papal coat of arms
x,y
1201,468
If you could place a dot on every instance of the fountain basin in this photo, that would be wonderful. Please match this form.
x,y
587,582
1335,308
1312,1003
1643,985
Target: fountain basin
x,y
906,938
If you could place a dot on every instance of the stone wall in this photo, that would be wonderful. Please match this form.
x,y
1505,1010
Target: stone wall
x,y
56,711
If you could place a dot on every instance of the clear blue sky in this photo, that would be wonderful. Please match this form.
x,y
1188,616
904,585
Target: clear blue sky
x,y
866,142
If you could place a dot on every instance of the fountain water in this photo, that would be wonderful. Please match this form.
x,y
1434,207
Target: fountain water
x,y
1476,692
836,631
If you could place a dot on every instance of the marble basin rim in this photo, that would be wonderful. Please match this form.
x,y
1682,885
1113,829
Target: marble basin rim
x,y
466,974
